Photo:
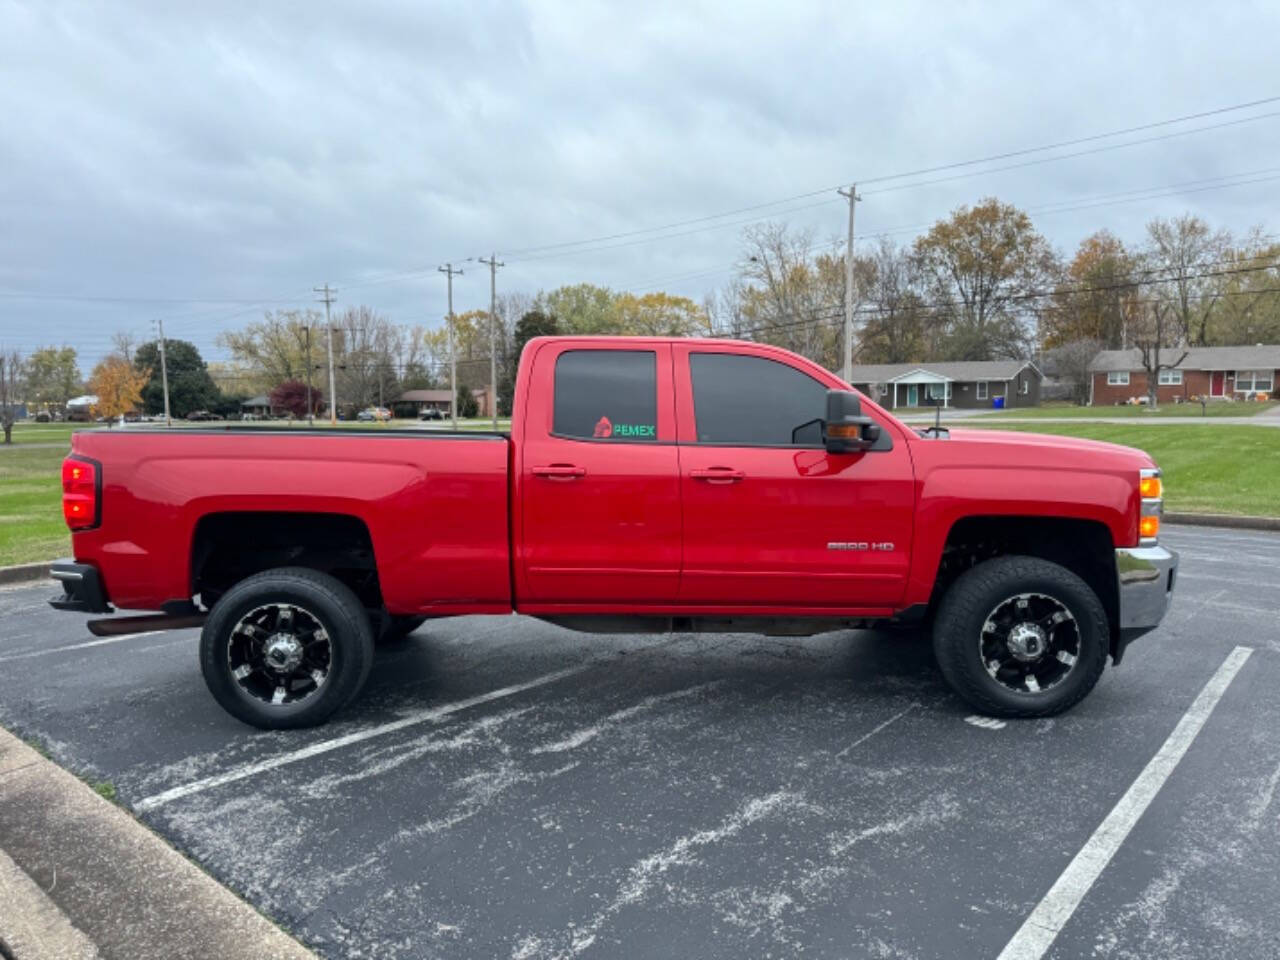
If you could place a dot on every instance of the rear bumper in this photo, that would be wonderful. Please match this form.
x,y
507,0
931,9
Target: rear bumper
x,y
82,590
1145,578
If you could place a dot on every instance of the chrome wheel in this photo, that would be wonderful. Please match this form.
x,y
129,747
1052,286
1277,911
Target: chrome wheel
x,y
1029,642
279,653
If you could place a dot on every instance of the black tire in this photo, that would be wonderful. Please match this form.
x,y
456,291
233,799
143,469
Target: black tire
x,y
310,595
395,629
961,635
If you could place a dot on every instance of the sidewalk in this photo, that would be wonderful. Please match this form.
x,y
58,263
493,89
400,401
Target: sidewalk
x,y
81,878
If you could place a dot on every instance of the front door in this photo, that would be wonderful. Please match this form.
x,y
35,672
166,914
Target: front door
x,y
913,395
771,518
1217,383
599,479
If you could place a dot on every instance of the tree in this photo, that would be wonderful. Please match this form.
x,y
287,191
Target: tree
x,y
1249,309
11,388
660,314
581,308
982,263
533,323
52,376
1158,329
190,386
1096,297
467,404
274,349
292,397
889,282
1071,362
118,386
1180,252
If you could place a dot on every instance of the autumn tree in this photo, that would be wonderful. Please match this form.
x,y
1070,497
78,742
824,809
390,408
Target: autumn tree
x,y
275,348
118,386
581,308
1248,310
291,396
11,389
982,264
190,386
1096,296
660,315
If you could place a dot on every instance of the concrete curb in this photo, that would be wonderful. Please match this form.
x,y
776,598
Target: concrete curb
x,y
121,886
25,571
1222,520
31,925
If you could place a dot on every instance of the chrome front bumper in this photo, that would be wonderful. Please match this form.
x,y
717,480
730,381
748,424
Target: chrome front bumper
x,y
1145,577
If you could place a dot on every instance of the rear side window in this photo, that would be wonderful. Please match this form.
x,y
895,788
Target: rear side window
x,y
755,402
607,395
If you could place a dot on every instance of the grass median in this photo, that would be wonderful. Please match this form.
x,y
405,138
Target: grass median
x,y
1217,408
1214,468
31,525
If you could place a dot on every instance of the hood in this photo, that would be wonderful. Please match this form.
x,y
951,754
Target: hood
x,y
1009,447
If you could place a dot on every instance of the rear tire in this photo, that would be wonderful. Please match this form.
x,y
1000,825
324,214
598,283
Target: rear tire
x,y
286,648
1021,637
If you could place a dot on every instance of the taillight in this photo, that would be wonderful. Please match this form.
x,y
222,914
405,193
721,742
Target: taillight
x,y
81,483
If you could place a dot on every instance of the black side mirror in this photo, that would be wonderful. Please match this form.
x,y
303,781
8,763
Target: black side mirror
x,y
846,430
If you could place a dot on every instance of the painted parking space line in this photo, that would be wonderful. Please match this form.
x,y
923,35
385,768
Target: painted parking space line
x,y
359,736
28,654
867,736
1042,926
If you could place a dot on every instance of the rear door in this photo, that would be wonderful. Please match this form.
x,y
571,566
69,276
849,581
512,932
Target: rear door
x,y
771,518
599,481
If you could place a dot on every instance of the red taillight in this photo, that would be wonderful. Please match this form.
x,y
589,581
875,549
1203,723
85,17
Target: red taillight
x,y
79,493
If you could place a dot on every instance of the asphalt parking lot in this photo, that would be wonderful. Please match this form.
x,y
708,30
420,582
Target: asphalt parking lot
x,y
508,789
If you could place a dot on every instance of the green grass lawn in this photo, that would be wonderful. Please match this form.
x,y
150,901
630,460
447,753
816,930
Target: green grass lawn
x,y
1136,411
1211,469
31,525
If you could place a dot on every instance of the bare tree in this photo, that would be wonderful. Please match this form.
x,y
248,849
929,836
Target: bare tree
x,y
11,378
1071,363
1180,251
890,283
1158,329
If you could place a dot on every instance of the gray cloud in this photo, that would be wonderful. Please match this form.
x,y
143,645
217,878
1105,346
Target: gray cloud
x,y
245,150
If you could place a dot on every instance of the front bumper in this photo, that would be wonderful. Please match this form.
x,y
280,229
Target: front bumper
x,y
82,590
1144,577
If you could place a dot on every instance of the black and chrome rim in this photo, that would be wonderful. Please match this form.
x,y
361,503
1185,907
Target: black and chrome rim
x,y
1030,642
279,653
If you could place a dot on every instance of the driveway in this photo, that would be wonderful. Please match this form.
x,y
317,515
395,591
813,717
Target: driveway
x,y
508,789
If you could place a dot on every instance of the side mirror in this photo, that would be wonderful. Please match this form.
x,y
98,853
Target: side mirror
x,y
846,430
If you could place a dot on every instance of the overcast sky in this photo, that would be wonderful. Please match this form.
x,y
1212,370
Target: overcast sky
x,y
164,160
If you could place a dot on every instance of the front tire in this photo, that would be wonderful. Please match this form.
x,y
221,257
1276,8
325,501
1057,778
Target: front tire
x,y
286,648
1021,637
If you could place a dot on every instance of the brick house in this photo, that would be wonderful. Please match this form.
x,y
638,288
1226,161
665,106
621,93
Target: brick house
x,y
1239,373
967,384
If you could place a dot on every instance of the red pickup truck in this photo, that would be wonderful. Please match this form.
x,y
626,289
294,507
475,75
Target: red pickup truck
x,y
646,485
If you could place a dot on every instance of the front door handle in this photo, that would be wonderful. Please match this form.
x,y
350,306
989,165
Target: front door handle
x,y
565,471
718,474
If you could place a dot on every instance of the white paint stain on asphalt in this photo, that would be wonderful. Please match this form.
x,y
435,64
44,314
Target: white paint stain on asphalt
x,y
105,641
1041,928
867,736
360,736
583,735
986,723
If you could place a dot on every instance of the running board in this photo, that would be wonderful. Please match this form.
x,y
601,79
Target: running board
x,y
115,626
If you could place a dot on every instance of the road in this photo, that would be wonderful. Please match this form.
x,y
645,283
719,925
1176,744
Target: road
x,y
508,789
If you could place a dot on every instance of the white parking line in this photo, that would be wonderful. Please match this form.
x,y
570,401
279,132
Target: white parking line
x,y
337,743
867,736
78,646
1041,928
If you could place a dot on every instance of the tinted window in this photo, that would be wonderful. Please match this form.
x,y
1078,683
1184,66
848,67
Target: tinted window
x,y
607,394
754,402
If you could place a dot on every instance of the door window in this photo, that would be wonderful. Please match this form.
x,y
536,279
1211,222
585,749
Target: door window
x,y
750,401
607,395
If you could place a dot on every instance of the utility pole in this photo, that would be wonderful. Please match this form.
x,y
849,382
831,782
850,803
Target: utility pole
x,y
847,367
310,408
328,332
494,263
450,270
164,375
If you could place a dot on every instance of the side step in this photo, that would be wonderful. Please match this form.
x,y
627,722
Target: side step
x,y
115,626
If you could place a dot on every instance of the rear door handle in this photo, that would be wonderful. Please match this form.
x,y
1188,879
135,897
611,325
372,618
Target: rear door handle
x,y
718,474
564,470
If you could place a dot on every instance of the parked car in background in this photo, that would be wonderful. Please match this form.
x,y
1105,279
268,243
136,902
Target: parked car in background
x,y
43,417
201,415
374,414
431,413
